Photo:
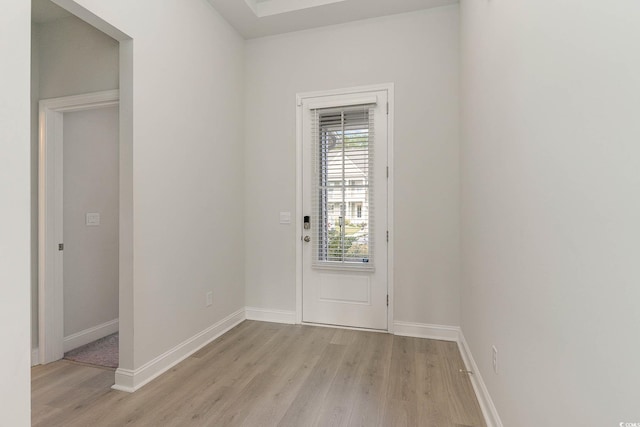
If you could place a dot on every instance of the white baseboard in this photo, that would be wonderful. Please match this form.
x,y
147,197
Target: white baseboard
x,y
266,315
90,335
131,380
423,330
35,356
484,399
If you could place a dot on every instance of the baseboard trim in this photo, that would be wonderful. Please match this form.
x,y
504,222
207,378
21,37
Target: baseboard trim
x,y
35,356
423,330
484,398
132,380
81,338
266,315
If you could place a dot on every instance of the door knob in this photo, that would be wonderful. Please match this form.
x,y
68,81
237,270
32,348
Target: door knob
x,y
307,239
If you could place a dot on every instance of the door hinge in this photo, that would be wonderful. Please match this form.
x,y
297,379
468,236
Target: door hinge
x,y
387,300
387,171
387,235
61,246
387,108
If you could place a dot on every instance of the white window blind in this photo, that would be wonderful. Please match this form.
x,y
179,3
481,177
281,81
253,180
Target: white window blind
x,y
342,199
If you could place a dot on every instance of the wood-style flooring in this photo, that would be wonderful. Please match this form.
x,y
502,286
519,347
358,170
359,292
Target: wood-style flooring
x,y
266,374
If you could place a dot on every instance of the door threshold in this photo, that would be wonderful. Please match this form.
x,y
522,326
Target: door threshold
x,y
351,328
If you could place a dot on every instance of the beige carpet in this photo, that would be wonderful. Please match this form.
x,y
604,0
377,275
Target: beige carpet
x,y
103,352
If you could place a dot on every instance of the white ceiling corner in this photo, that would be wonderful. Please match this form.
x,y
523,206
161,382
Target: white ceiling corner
x,y
258,18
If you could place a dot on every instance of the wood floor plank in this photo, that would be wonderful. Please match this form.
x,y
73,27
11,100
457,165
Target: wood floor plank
x,y
64,374
229,370
265,374
43,414
431,389
305,408
256,379
373,375
271,406
401,405
300,352
463,404
338,404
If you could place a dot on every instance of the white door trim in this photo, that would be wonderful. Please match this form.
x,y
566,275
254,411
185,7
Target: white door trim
x,y
389,87
50,259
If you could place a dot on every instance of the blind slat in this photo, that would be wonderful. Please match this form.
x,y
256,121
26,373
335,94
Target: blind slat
x,y
342,212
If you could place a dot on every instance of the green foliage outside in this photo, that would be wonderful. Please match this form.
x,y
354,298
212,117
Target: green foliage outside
x,y
352,249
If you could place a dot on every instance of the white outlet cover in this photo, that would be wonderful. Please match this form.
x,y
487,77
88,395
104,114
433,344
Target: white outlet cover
x,y
92,219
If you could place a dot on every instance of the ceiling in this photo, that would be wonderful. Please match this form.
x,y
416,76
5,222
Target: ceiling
x,y
258,18
45,11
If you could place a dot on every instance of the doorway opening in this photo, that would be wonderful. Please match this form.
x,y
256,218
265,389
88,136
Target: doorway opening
x,y
82,182
79,229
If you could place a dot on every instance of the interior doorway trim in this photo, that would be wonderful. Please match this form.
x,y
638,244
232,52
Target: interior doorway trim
x,y
389,87
50,258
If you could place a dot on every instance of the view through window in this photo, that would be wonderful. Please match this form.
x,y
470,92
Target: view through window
x,y
343,203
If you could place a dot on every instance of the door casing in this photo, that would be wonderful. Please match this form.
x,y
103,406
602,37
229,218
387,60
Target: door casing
x,y
50,258
354,91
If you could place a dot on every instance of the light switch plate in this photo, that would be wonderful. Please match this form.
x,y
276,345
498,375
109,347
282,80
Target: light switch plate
x,y
285,217
93,219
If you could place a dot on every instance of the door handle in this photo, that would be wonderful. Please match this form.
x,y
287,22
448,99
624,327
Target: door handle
x,y
307,239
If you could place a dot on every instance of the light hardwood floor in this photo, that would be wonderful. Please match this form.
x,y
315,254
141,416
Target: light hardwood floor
x,y
266,374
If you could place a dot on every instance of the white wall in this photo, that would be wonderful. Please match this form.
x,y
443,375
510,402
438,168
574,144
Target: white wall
x,y
90,185
69,57
550,178
35,97
419,53
75,58
15,213
187,153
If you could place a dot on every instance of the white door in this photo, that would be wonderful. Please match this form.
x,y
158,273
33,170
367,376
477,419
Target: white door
x,y
344,181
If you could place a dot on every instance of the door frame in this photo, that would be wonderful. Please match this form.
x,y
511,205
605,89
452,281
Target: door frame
x,y
50,215
359,90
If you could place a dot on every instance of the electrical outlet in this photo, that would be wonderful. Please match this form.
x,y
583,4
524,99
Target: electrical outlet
x,y
494,352
209,298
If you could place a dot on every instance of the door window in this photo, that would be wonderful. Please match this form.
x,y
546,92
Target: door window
x,y
342,186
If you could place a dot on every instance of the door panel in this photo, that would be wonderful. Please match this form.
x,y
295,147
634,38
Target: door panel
x,y
345,288
344,277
